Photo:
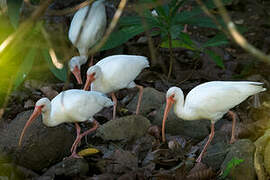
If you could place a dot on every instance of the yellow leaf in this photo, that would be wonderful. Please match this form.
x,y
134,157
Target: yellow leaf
x,y
88,151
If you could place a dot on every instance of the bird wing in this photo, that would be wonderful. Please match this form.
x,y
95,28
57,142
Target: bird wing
x,y
120,70
78,105
219,96
94,26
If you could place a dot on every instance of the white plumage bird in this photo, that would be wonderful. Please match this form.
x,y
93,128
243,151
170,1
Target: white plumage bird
x,y
210,101
114,73
71,106
90,30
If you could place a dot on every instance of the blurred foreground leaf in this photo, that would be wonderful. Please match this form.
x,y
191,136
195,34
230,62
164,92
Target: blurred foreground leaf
x,y
61,74
25,67
14,11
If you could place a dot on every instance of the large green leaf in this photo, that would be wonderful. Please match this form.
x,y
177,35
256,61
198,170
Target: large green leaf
x,y
25,67
185,15
203,22
123,35
176,44
130,21
14,11
219,39
61,74
217,59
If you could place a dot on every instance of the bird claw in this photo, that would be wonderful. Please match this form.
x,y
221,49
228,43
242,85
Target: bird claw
x,y
73,155
199,159
232,140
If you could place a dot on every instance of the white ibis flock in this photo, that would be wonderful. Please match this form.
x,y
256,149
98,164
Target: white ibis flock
x,y
70,106
209,100
114,73
86,29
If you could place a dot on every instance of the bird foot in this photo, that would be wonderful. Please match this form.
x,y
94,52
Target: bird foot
x,y
199,159
75,155
232,140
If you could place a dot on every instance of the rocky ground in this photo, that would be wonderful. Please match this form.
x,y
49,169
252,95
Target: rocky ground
x,y
130,146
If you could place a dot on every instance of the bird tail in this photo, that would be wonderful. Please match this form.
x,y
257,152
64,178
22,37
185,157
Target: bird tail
x,y
259,86
256,87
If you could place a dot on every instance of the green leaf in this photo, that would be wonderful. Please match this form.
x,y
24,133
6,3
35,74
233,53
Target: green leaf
x,y
186,39
61,74
185,15
176,44
14,11
231,165
175,31
175,5
205,22
120,37
217,59
25,67
219,39
130,21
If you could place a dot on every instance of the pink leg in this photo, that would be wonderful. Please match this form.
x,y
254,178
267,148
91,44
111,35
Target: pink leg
x,y
75,144
91,61
139,99
233,115
77,141
208,142
185,29
78,129
115,105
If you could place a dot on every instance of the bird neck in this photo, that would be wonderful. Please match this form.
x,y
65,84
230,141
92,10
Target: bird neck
x,y
100,84
83,59
46,116
181,110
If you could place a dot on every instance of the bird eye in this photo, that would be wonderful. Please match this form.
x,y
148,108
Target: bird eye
x,y
42,106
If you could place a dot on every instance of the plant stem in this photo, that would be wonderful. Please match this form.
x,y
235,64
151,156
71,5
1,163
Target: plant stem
x,y
171,56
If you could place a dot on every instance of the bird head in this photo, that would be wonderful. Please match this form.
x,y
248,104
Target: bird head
x,y
171,97
75,68
92,74
41,106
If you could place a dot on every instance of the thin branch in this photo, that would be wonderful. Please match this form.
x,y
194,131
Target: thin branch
x,y
19,35
115,19
208,13
238,38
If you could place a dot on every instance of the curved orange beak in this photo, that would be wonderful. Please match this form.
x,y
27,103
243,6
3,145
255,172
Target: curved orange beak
x,y
77,73
89,80
35,114
169,104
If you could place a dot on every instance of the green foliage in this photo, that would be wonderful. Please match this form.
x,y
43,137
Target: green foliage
x,y
25,67
61,74
169,22
230,166
14,11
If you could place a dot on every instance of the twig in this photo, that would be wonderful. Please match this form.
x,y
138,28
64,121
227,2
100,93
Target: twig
x,y
82,26
62,12
207,12
171,56
237,37
115,19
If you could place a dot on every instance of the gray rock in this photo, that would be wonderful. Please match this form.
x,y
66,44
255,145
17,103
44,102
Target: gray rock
x,y
125,128
41,146
241,149
151,100
197,129
217,150
68,167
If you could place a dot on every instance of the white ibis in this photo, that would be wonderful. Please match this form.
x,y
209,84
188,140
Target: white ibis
x,y
210,101
90,30
70,106
114,73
